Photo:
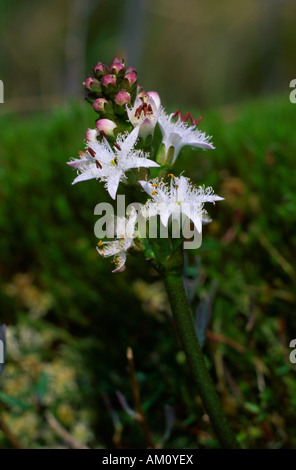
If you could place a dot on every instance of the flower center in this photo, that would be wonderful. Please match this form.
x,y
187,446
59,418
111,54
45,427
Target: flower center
x,y
144,110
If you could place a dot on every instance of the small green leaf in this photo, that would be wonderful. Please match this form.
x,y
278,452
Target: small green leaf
x,y
11,401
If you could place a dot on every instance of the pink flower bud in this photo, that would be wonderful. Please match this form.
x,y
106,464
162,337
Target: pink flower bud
x,y
92,84
117,60
109,81
100,69
91,135
122,98
117,69
139,89
131,69
102,106
130,80
106,126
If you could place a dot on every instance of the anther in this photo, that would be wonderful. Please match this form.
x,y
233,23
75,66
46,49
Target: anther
x,y
117,146
98,165
198,120
102,134
91,152
191,119
176,113
186,117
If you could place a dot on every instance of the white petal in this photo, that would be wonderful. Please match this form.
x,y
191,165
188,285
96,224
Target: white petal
x,y
146,186
128,143
119,261
164,215
136,162
89,174
77,163
146,128
112,184
155,98
198,143
193,214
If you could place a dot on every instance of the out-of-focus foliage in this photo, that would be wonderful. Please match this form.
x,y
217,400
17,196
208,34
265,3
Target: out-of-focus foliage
x,y
70,320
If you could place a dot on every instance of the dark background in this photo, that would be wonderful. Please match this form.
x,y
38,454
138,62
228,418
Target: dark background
x,y
69,319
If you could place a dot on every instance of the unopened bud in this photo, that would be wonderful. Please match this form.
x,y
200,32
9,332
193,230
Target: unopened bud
x,y
93,85
100,69
117,60
120,101
129,81
102,106
109,84
91,135
140,89
122,98
117,69
106,127
131,69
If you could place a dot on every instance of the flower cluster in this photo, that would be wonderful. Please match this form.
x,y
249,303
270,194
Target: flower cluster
x,y
123,142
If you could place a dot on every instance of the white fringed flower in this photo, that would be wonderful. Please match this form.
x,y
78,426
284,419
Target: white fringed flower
x,y
178,134
145,112
125,234
178,197
109,165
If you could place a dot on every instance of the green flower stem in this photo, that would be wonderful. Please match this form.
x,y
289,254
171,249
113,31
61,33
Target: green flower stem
x,y
173,278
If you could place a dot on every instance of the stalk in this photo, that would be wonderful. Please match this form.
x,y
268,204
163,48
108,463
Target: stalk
x,y
173,278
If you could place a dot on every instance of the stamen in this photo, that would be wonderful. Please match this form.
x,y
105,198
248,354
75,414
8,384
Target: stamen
x,y
198,120
176,186
154,185
185,117
100,243
191,119
117,146
91,152
116,160
98,165
103,135
176,113
154,192
139,111
171,175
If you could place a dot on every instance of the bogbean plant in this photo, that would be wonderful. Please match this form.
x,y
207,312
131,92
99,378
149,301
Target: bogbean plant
x,y
122,153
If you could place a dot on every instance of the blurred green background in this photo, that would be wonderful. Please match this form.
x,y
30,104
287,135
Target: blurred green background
x,y
69,320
